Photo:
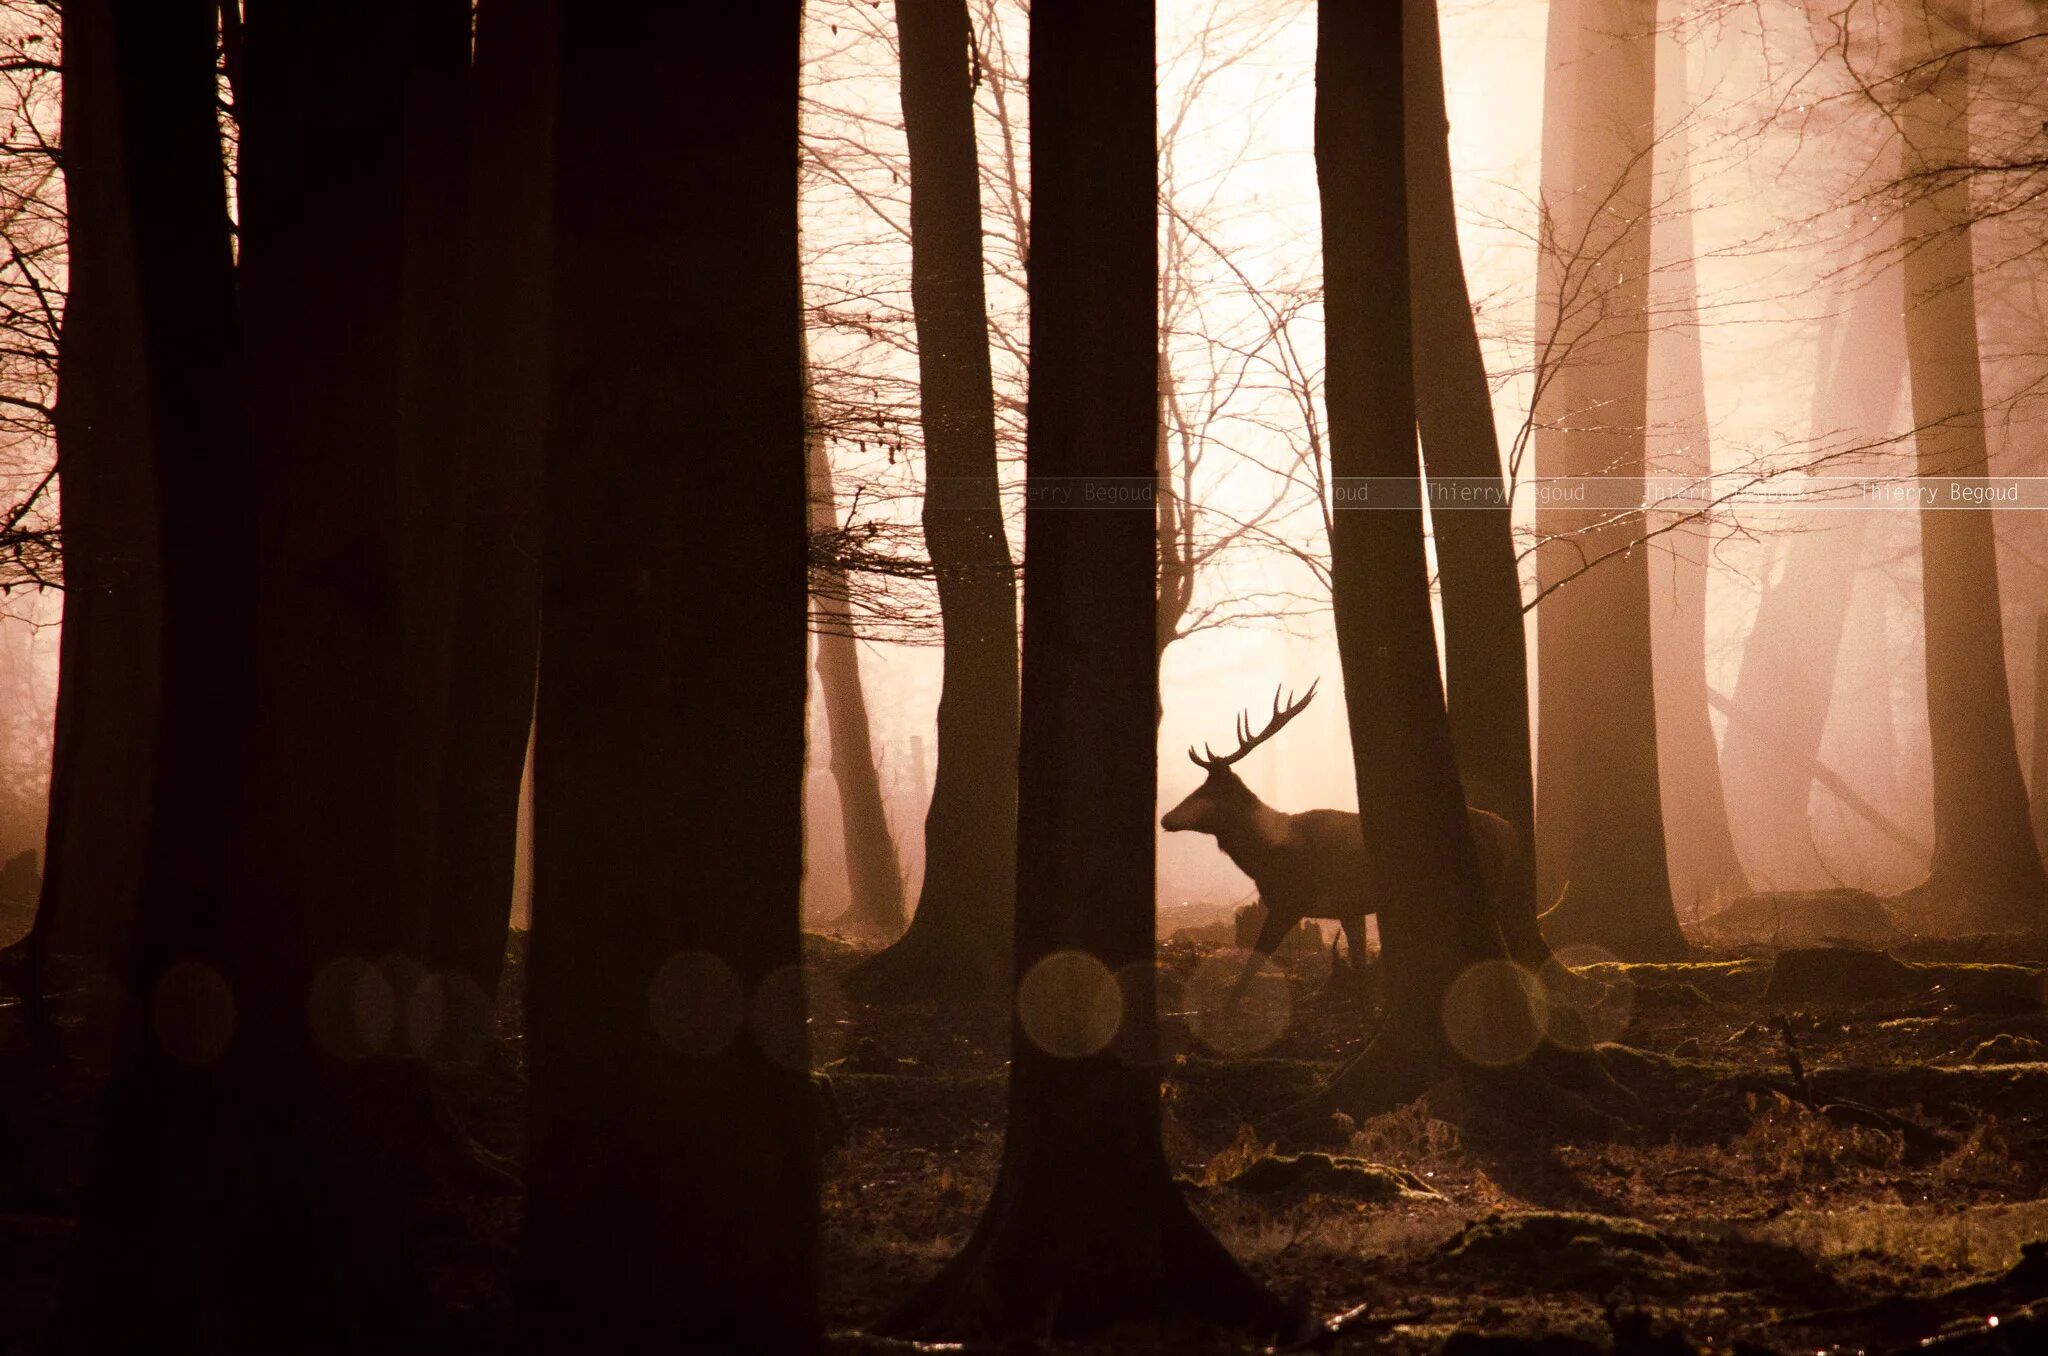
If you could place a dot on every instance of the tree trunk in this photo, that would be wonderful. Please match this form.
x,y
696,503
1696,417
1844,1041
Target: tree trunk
x,y
494,640
1984,852
672,1179
431,424
960,932
1598,710
1703,865
1422,867
1556,796
1086,1227
1785,684
2040,769
203,1225
874,876
106,668
1485,655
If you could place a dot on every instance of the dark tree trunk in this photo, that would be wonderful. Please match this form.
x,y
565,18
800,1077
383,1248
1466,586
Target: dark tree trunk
x,y
960,932
1703,863
495,632
1423,870
431,417
1086,1227
874,875
1984,853
190,1142
1597,760
1485,650
1785,684
672,1181
106,668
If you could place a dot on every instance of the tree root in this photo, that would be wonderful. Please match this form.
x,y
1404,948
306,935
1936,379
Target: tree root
x,y
1043,1264
932,963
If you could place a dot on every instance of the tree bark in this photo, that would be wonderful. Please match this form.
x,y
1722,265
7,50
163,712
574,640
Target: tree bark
x,y
874,875
960,932
1485,649
672,1180
1086,1227
494,637
1984,852
1597,715
431,423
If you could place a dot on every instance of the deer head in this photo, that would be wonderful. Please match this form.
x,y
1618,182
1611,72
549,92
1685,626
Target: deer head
x,y
1223,799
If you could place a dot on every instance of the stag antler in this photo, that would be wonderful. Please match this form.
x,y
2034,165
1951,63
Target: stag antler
x,y
1246,740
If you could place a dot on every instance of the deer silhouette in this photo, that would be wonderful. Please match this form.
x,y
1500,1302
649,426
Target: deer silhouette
x,y
1306,865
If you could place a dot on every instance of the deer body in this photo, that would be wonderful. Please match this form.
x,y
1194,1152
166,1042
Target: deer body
x,y
1306,865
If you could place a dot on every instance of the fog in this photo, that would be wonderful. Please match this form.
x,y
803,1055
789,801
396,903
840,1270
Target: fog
x,y
1763,153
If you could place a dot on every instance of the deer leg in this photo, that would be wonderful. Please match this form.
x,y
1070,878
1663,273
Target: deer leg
x,y
1354,943
1356,962
1279,922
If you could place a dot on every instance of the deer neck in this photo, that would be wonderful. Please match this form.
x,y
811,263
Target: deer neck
x,y
1254,838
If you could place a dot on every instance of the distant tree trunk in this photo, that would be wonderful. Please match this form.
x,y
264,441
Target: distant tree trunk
x,y
1785,684
1485,655
960,932
495,633
1703,864
1176,569
673,1173
1556,794
106,668
2040,768
1423,870
1984,852
874,875
1598,709
1086,1227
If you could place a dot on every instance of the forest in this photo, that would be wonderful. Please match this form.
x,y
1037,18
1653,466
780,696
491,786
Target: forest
x,y
601,604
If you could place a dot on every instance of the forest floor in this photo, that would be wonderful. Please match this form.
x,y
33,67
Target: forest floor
x,y
1876,1196
1735,1211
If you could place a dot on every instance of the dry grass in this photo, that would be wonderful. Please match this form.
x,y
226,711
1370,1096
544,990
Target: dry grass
x,y
1932,1238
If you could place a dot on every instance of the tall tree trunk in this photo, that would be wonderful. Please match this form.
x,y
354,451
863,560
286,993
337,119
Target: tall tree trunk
x,y
960,933
2039,786
1422,867
1086,1227
1485,657
1598,709
1785,684
1703,865
494,637
1984,853
106,668
1556,753
198,1227
431,423
874,875
327,1147
673,1177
